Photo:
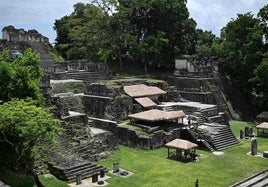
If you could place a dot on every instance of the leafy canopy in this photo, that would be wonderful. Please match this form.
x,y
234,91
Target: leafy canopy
x,y
24,125
20,78
151,33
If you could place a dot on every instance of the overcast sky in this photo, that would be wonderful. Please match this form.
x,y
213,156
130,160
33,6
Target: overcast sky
x,y
41,14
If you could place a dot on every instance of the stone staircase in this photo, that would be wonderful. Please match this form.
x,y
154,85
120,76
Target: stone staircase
x,y
86,76
41,48
219,94
257,180
222,137
86,169
207,145
195,137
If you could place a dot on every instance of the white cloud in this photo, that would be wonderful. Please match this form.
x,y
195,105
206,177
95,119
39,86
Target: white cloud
x,y
215,14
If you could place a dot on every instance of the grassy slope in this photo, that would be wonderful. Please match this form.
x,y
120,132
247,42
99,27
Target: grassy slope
x,y
152,168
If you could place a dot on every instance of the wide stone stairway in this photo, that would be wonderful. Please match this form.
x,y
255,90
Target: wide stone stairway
x,y
219,136
45,57
86,76
257,180
83,168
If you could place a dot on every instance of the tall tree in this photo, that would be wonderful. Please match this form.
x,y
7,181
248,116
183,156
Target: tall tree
x,y
260,89
128,34
21,78
242,48
206,44
167,22
22,127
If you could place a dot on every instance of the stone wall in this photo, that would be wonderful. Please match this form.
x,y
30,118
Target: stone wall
x,y
204,97
191,67
135,138
9,33
107,100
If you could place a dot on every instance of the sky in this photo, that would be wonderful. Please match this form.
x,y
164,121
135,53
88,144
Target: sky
x,y
210,15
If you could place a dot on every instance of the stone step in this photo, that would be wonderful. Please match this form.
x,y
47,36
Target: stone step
x,y
85,174
257,180
219,140
225,145
82,169
69,174
208,146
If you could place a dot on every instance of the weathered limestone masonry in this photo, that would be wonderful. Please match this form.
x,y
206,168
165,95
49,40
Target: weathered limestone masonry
x,y
108,105
136,137
79,70
107,99
198,80
11,34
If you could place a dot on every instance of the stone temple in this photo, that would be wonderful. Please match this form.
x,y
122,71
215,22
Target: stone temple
x,y
101,109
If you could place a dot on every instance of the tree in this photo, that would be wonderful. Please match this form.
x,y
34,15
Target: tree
x,y
206,44
160,20
260,89
96,32
21,78
263,16
242,49
23,125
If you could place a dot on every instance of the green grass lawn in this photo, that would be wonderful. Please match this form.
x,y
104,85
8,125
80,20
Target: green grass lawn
x,y
152,168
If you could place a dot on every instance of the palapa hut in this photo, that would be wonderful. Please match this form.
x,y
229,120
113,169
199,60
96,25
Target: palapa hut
x,y
185,150
262,129
154,115
144,94
151,119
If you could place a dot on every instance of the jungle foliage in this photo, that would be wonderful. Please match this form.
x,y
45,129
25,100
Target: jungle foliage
x,y
24,121
151,33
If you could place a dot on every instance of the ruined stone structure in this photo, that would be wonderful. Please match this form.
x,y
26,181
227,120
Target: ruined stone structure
x,y
200,81
188,66
96,109
11,34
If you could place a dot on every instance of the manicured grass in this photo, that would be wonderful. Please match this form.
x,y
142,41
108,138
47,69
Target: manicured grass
x,y
152,168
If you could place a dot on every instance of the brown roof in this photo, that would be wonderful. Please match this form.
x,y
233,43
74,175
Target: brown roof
x,y
145,102
157,115
181,144
263,125
142,90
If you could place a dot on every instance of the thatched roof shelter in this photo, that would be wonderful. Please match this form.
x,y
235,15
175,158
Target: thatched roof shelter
x,y
157,115
263,125
146,102
142,90
181,144
185,150
262,129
